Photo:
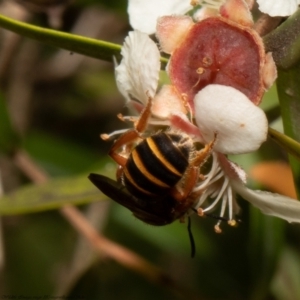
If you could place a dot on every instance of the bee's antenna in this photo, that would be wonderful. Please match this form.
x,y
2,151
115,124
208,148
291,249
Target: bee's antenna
x,y
191,237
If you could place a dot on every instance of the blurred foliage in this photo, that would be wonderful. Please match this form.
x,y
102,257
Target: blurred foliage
x,y
8,138
54,104
51,195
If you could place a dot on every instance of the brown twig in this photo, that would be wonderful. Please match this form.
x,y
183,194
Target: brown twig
x,y
122,255
29,167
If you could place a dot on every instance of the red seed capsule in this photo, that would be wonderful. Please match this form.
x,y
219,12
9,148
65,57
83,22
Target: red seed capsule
x,y
219,51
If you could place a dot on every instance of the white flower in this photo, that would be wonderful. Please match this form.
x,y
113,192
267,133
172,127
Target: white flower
x,y
270,203
138,73
143,14
226,179
241,126
278,7
221,111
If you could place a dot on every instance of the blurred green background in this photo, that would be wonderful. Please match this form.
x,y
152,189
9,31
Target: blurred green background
x,y
58,103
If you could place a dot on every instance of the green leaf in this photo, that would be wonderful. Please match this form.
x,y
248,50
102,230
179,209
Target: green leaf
x,y
51,195
45,239
287,143
59,162
9,139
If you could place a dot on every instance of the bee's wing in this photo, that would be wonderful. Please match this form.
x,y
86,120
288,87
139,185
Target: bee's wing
x,y
152,212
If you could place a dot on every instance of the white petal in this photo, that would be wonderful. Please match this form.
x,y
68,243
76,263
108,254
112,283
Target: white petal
x,y
138,73
166,102
180,121
240,125
204,13
171,31
237,11
278,7
270,204
143,14
239,172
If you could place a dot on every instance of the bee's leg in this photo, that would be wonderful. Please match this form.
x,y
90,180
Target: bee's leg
x,y
130,136
203,154
181,193
119,174
192,174
142,122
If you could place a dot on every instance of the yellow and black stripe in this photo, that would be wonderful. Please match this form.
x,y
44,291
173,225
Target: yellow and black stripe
x,y
156,164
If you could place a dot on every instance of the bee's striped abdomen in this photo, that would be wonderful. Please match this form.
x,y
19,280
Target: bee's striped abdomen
x,y
156,165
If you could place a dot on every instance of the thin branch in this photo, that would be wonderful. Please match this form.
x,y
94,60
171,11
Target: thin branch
x,y
72,42
117,252
29,167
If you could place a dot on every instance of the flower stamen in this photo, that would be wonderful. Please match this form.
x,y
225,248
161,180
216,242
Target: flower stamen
x,y
217,228
107,136
217,187
229,200
127,118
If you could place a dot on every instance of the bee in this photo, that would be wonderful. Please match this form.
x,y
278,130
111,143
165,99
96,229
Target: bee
x,y
156,175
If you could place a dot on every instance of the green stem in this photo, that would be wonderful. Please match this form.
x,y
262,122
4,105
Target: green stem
x,y
287,143
284,42
289,97
72,42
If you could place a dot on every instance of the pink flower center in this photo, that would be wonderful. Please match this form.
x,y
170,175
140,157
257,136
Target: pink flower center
x,y
217,51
